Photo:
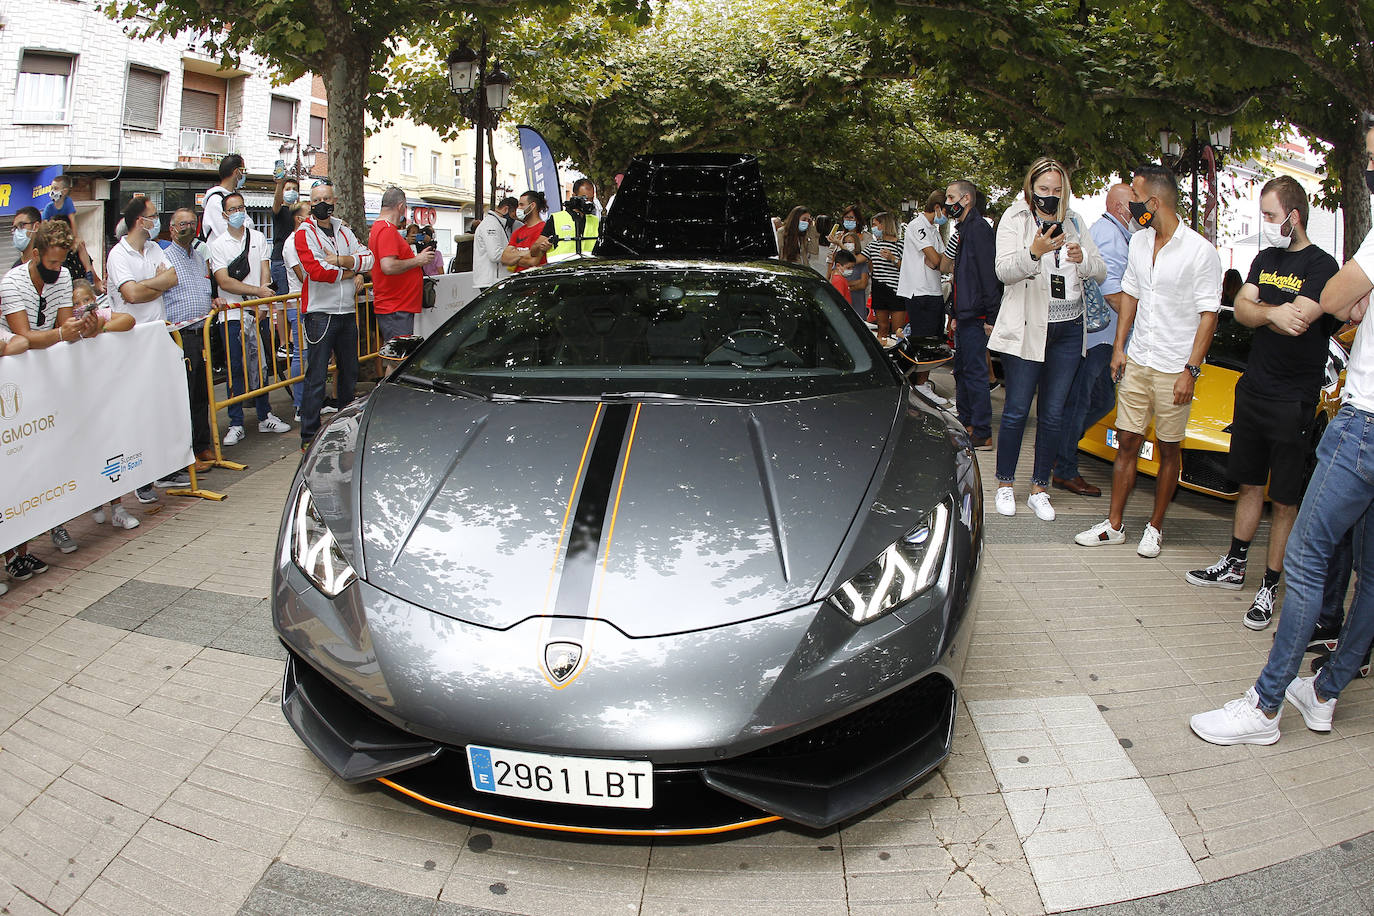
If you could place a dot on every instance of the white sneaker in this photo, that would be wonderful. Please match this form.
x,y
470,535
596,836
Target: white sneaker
x,y
122,519
1101,535
1238,722
1302,693
273,424
1150,540
1040,505
1006,501
234,436
98,516
298,415
931,394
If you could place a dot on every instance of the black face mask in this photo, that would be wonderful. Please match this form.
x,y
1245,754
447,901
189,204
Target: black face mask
x,y
1369,179
954,210
1141,214
322,210
48,276
1045,204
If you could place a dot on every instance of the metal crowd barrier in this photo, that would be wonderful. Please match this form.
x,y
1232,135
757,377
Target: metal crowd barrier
x,y
258,367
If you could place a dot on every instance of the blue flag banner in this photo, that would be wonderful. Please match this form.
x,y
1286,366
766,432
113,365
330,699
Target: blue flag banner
x,y
541,171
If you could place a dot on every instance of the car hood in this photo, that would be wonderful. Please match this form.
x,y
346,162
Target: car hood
x,y
656,517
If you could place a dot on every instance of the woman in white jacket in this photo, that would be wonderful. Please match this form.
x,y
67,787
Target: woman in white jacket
x,y
1043,257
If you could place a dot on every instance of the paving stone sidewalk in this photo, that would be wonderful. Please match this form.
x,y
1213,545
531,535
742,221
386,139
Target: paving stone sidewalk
x,y
145,766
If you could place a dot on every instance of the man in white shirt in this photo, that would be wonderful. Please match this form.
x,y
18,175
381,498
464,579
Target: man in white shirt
x,y
489,241
1336,503
334,262
1171,293
918,282
137,270
238,260
232,175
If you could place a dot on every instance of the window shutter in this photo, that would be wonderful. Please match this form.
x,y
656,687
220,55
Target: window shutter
x,y
143,99
199,109
52,64
317,131
281,120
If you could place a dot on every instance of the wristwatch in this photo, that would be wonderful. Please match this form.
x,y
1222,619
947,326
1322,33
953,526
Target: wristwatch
x,y
1194,371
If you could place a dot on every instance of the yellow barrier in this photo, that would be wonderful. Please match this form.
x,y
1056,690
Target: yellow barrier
x,y
194,489
263,365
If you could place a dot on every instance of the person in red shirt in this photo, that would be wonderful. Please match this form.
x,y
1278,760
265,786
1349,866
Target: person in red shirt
x,y
839,276
528,247
398,280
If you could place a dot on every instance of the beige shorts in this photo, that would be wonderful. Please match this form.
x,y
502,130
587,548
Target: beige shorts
x,y
1144,393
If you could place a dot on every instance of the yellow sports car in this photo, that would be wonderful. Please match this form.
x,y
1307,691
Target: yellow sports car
x,y
1208,439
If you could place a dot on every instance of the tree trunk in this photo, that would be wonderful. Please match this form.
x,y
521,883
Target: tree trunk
x,y
348,68
1348,158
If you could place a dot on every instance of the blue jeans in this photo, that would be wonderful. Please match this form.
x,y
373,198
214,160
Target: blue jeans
x,y
1336,503
1051,379
241,377
1091,397
973,402
327,335
294,345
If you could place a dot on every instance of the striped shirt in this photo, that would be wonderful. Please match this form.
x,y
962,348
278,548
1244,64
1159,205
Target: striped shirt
x,y
885,272
17,294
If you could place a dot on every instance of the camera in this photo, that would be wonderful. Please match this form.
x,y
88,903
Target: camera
x,y
580,205
424,239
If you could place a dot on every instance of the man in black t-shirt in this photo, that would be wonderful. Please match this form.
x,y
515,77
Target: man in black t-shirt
x,y
1276,397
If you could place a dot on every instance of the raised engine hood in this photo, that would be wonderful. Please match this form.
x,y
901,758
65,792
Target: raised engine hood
x,y
657,517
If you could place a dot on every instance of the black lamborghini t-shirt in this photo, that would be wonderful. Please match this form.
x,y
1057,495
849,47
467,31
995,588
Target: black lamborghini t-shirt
x,y
1283,368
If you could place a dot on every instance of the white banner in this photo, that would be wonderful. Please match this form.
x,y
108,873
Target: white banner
x,y
85,422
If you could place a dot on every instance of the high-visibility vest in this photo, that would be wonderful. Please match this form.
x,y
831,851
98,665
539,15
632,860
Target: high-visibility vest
x,y
568,243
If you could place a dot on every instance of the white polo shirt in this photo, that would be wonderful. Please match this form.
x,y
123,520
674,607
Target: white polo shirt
x,y
916,279
224,249
1173,289
1359,373
125,264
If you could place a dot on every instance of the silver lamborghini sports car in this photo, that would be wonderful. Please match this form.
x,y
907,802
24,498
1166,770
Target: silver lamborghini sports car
x,y
656,542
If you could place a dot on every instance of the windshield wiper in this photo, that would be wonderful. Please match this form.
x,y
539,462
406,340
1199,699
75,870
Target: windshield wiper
x,y
447,387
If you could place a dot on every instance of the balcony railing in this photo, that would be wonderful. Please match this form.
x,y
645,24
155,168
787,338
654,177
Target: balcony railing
x,y
201,146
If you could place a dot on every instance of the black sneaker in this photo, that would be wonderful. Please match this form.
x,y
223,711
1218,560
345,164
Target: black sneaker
x,y
1261,609
1324,639
1228,572
23,567
146,494
1322,659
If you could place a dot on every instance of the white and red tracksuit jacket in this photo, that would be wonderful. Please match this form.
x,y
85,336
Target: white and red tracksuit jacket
x,y
324,290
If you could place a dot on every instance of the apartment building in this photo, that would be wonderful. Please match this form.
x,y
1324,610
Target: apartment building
x,y
124,117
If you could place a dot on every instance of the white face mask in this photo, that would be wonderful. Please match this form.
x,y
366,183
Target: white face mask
x,y
848,246
1273,236
522,212
847,272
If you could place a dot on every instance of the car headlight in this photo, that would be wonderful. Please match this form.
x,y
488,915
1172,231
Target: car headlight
x,y
898,574
314,549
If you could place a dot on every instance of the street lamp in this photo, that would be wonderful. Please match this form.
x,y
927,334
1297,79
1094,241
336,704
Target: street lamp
x,y
1199,152
305,158
486,95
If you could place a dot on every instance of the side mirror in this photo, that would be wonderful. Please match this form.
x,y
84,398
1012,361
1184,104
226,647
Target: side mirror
x,y
399,348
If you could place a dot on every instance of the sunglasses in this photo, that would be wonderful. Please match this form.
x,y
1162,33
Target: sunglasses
x,y
42,305
322,181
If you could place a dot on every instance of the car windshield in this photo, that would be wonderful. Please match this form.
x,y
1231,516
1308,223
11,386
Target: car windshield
x,y
1231,344
688,331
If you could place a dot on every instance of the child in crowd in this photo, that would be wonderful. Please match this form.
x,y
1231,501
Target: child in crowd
x,y
840,273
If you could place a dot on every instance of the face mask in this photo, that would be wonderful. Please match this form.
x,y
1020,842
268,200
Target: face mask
x,y
941,219
1141,215
521,213
803,225
156,228
48,276
322,209
848,246
184,236
242,179
1045,203
236,220
846,272
954,210
849,224
1369,180
56,196
877,234
1273,236
21,239
291,196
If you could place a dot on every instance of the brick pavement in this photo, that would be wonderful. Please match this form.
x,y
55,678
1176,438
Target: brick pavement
x,y
145,766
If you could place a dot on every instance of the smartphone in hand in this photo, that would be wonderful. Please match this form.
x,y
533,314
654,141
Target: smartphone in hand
x,y
1053,228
